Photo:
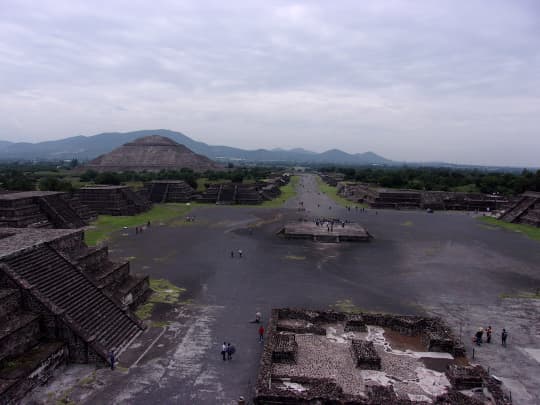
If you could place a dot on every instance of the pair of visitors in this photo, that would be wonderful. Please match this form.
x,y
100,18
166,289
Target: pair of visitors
x,y
227,350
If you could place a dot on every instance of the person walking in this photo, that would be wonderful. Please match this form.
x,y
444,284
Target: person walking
x,y
232,254
261,334
479,335
224,351
230,351
504,336
488,334
240,253
112,359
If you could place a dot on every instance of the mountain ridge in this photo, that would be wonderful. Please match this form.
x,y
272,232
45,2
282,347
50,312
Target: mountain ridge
x,y
89,147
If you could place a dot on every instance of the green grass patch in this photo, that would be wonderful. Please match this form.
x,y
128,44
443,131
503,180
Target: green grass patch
x,y
332,192
105,225
528,230
204,180
525,295
164,292
346,306
407,223
288,191
293,257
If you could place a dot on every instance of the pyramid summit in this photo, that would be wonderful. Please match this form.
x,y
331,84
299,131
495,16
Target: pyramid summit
x,y
151,153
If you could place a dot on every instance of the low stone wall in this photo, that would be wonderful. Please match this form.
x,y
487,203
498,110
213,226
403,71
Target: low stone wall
x,y
364,355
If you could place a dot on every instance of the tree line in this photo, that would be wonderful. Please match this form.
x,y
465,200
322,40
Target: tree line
x,y
444,179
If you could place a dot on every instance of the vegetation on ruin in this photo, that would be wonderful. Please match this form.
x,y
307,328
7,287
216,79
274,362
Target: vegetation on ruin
x,y
164,292
106,225
288,191
444,179
332,193
525,295
528,230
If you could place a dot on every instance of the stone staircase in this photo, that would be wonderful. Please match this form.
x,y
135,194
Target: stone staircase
x,y
227,194
26,358
113,277
81,209
65,291
60,212
136,202
158,193
518,209
211,194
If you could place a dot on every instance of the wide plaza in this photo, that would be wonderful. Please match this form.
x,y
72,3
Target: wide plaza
x,y
447,264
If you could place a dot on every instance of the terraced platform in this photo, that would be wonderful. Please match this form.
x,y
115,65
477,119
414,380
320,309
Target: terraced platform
x,y
351,232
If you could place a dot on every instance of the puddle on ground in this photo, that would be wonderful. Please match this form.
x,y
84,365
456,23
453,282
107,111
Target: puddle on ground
x,y
402,342
440,365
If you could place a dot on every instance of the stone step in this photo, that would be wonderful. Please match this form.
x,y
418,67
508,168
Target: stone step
x,y
21,374
10,301
19,331
84,304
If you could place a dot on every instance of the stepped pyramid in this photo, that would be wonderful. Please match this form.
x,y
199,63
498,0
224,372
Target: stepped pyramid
x,y
151,153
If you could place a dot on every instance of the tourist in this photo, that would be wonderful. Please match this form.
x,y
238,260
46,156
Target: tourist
x,y
111,359
479,335
488,334
148,224
240,253
232,254
224,351
504,336
261,334
136,230
230,351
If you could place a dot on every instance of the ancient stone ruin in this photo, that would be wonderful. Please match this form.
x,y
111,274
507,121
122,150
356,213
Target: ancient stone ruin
x,y
242,193
526,210
322,231
153,154
379,198
43,209
60,301
168,191
314,357
113,200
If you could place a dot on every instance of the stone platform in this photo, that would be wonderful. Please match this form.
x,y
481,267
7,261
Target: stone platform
x,y
351,232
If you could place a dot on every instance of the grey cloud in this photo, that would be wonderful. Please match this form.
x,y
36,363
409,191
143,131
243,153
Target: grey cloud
x,y
418,80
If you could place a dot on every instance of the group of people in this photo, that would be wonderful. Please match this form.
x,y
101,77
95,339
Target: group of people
x,y
227,349
140,229
479,336
329,223
239,252
190,219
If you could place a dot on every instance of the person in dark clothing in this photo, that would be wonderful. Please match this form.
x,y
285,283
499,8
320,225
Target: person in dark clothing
x,y
504,336
479,335
112,359
230,351
261,334
232,254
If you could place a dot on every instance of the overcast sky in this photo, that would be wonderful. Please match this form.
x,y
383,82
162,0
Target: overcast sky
x,y
455,81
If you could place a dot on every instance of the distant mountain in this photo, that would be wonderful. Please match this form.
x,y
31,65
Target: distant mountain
x,y
89,147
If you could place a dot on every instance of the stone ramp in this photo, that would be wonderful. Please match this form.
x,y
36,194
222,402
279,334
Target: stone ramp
x,y
519,209
60,212
68,293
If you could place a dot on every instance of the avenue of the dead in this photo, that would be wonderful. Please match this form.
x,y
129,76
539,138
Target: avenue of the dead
x,y
446,264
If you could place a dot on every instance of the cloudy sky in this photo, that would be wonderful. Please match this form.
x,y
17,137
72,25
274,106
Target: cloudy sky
x,y
457,80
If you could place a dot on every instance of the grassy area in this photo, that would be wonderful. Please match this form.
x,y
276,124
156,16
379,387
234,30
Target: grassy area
x,y
331,192
525,295
528,230
105,225
164,292
288,191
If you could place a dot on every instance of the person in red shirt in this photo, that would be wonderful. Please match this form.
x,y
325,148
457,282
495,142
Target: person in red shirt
x,y
261,334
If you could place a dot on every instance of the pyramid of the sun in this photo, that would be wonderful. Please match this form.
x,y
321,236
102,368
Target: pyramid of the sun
x,y
151,153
